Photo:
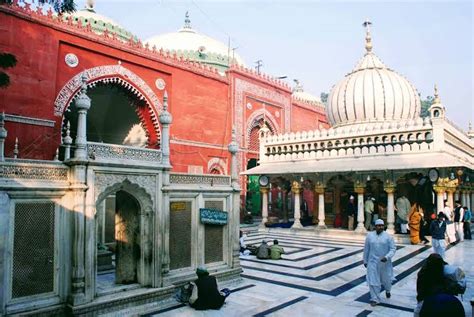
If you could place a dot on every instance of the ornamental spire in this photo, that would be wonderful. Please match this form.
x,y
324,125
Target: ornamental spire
x,y
436,96
90,5
187,21
368,38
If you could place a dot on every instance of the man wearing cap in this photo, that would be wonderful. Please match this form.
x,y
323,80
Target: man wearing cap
x,y
206,294
351,212
379,250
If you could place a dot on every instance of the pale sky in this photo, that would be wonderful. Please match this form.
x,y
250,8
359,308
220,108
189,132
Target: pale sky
x,y
319,42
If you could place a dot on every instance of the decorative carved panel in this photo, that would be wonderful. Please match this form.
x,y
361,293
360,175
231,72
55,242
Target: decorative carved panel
x,y
33,249
180,234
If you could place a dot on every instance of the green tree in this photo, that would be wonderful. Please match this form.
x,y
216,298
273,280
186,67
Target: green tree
x,y
425,106
8,60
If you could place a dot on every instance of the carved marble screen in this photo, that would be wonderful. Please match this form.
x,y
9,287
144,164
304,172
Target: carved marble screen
x,y
33,249
213,236
180,234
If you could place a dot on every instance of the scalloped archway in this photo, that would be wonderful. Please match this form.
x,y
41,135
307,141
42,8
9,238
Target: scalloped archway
x,y
116,74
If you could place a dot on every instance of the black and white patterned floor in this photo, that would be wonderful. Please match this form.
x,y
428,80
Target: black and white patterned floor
x,y
323,277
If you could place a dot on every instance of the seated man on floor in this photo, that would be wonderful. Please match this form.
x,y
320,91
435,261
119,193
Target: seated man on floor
x,y
263,251
206,294
276,250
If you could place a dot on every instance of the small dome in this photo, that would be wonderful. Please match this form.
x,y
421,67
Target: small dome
x,y
372,93
100,23
300,94
195,46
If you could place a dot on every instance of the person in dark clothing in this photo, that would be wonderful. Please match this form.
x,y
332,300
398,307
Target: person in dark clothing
x,y
442,305
438,230
467,223
208,295
430,280
351,212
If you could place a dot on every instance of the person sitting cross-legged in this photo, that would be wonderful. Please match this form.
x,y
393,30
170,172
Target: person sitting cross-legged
x,y
206,294
276,250
263,251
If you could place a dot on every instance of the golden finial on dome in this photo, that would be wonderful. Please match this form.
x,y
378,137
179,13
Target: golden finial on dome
x,y
436,96
368,38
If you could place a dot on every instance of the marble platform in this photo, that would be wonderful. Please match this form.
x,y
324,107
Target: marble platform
x,y
319,276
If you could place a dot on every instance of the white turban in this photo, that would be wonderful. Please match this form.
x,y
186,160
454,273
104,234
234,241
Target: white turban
x,y
379,222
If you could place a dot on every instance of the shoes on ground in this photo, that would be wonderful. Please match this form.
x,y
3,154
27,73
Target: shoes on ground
x,y
373,303
388,295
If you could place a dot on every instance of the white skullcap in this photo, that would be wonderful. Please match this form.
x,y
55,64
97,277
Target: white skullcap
x,y
379,222
351,197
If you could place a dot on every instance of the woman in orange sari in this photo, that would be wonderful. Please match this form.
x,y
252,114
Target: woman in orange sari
x,y
414,222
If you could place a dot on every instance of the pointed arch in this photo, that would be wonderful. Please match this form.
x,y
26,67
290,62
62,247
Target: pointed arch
x,y
116,74
255,120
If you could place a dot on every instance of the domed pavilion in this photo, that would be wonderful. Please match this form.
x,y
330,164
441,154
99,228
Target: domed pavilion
x,y
378,148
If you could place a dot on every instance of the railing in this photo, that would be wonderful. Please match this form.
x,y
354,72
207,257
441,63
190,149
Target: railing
x,y
104,151
348,141
33,169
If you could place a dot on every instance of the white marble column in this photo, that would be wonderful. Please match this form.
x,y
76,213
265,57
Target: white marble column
x,y
440,190
235,214
3,136
83,104
390,208
450,192
296,189
464,197
319,190
360,209
264,196
165,119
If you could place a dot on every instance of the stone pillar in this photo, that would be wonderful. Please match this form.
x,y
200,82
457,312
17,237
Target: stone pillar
x,y
165,119
3,136
264,192
235,215
440,190
390,190
360,208
450,191
319,190
296,189
457,195
464,194
67,141
78,201
83,104
472,201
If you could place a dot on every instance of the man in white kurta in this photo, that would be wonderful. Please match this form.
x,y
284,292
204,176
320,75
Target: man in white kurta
x,y
450,230
379,250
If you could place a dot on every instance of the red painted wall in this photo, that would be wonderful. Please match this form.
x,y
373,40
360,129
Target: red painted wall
x,y
200,101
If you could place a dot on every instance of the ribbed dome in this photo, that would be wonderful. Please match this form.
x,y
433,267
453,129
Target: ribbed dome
x,y
372,93
100,23
195,46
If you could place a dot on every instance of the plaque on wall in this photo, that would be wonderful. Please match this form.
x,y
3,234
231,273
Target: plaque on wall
x,y
212,216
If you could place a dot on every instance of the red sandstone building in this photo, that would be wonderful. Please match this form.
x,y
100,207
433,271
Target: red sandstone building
x,y
209,93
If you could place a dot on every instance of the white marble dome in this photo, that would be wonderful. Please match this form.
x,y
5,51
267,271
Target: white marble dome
x,y
100,23
195,46
372,93
300,94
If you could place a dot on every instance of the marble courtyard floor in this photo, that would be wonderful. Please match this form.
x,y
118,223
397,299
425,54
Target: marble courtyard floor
x,y
320,277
